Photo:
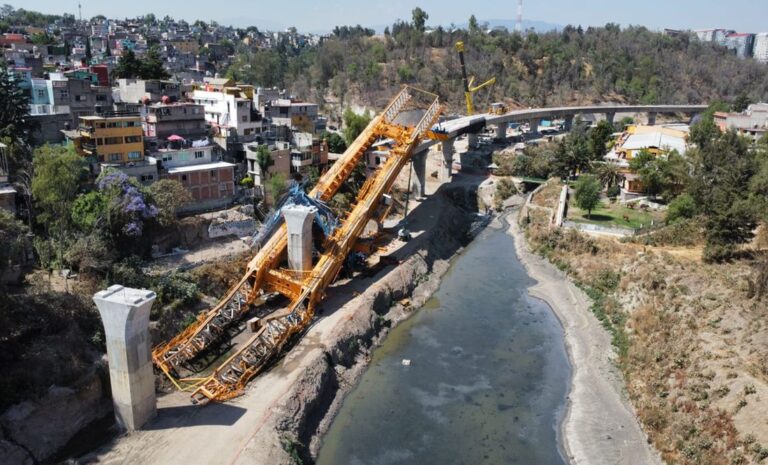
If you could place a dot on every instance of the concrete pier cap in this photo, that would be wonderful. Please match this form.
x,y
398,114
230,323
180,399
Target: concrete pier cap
x,y
298,221
125,314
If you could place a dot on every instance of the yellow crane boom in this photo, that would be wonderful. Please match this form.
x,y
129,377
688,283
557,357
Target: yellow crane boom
x,y
303,289
469,89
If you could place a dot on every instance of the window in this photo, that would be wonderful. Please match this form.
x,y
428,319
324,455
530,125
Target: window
x,y
184,178
167,157
115,157
113,140
132,139
64,93
81,98
199,155
147,177
214,174
99,141
41,93
134,155
101,98
114,124
131,124
223,187
101,125
244,118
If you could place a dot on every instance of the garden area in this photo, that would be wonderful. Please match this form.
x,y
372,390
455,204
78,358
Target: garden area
x,y
612,214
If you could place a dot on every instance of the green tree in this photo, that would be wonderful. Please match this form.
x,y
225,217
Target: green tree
x,y
128,67
420,18
336,143
15,123
723,169
354,124
88,211
152,66
682,207
587,193
59,176
599,138
609,174
264,160
648,168
474,27
169,196
573,153
741,103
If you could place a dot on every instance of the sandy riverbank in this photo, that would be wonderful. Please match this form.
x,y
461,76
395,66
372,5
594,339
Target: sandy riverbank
x,y
600,426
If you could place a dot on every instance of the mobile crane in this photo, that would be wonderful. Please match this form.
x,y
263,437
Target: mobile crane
x,y
469,89
266,272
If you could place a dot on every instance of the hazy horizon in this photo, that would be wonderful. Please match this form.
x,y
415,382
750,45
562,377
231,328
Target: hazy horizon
x,y
313,17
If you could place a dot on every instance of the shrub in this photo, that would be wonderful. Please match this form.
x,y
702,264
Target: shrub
x,y
613,192
682,207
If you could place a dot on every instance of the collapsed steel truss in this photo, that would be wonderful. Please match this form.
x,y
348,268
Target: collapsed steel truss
x,y
304,289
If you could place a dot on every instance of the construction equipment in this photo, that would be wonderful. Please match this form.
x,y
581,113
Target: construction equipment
x,y
468,88
266,273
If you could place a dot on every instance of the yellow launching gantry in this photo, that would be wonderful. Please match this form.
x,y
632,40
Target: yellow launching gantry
x,y
268,272
468,88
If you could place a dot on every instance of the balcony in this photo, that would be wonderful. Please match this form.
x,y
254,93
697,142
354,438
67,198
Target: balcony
x,y
89,147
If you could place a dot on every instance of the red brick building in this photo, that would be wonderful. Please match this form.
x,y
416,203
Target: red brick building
x,y
207,182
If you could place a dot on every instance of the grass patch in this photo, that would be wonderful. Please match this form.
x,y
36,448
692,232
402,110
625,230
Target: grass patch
x,y
614,214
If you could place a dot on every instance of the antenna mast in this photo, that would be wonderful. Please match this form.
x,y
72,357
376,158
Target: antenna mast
x,y
80,11
519,25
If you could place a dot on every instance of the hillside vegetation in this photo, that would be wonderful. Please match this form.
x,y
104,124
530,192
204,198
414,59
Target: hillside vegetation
x,y
632,65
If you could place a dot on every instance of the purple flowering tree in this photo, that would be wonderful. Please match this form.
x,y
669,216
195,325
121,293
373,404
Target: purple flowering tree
x,y
128,207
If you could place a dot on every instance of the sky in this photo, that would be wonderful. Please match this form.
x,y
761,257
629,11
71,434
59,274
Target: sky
x,y
322,15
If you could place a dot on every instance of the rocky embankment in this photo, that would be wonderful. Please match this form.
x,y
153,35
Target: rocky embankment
x,y
311,404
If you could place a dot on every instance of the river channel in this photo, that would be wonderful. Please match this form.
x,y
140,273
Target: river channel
x,y
487,380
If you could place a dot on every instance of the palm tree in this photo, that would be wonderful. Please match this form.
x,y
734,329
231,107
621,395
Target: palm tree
x,y
609,174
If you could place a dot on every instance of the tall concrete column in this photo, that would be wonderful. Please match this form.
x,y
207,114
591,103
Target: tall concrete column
x,y
652,118
419,161
610,116
534,127
298,220
568,124
444,174
472,141
501,131
125,314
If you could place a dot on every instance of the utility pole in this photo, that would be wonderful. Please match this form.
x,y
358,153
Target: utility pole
x,y
80,11
519,25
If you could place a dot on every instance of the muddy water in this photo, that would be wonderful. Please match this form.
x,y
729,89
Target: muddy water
x,y
487,380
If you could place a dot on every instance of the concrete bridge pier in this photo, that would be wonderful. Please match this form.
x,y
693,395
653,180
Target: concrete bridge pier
x,y
610,116
298,221
568,124
501,131
444,174
534,127
125,314
652,118
473,141
419,161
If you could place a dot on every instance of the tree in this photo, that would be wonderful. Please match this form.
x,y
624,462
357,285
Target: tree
x,y
420,18
723,170
741,103
15,123
336,143
648,168
573,154
474,27
682,207
354,124
59,176
599,138
128,67
609,174
152,66
264,160
169,196
587,193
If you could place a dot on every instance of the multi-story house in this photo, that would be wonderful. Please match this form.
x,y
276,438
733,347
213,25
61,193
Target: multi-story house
x,y
112,138
230,111
740,43
299,116
140,91
165,120
210,182
752,122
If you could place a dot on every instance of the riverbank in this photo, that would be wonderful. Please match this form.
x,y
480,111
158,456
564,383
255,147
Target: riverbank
x,y
600,426
283,412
